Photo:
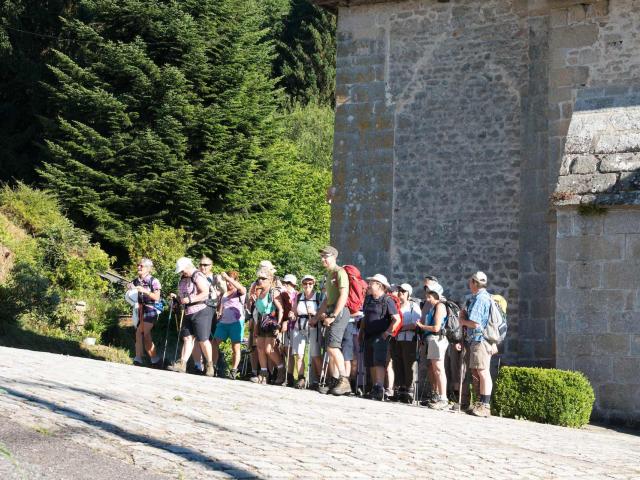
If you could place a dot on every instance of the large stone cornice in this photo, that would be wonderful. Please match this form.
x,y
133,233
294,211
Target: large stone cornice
x,y
534,5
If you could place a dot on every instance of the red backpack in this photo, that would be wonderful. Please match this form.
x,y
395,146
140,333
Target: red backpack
x,y
357,289
396,300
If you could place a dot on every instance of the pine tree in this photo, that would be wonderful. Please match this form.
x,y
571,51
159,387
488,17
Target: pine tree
x,y
163,113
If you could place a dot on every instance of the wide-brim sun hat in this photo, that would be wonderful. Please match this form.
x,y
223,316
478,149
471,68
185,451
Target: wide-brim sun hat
x,y
380,279
131,296
407,288
308,277
288,278
182,263
436,288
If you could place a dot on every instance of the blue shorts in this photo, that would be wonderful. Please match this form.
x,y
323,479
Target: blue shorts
x,y
233,331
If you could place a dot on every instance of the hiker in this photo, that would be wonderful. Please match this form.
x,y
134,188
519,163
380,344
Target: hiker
x,y
437,344
289,296
268,325
476,317
193,292
404,351
333,316
217,288
309,302
148,293
377,325
230,320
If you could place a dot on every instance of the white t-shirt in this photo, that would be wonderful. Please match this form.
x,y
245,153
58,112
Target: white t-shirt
x,y
410,315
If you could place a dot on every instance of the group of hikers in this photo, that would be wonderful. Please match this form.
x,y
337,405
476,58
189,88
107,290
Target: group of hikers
x,y
365,337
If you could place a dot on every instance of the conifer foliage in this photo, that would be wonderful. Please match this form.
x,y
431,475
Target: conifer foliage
x,y
163,113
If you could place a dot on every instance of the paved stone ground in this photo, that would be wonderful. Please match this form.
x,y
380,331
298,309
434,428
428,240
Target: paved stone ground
x,y
184,426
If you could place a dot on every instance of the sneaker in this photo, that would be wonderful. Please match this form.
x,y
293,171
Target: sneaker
x,y
342,387
233,374
463,408
390,395
254,379
314,386
210,370
137,363
178,366
481,410
439,405
301,383
282,376
157,365
377,393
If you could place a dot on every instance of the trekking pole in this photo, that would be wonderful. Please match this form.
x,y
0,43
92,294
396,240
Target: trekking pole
x,y
325,360
175,355
461,380
288,354
416,379
166,335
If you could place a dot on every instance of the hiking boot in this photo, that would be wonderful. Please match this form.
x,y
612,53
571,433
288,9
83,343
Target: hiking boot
x,y
463,408
481,410
390,395
439,405
233,374
282,376
377,393
330,383
254,378
137,363
210,370
290,380
342,387
301,383
314,386
179,366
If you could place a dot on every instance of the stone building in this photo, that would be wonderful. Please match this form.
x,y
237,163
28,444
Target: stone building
x,y
501,135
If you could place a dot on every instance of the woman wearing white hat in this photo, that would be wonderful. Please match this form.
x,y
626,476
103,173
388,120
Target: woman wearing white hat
x,y
193,292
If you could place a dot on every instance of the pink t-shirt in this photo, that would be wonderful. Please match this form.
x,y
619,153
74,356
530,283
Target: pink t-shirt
x,y
232,308
187,287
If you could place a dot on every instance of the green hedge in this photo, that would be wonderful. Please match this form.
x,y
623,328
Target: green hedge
x,y
553,396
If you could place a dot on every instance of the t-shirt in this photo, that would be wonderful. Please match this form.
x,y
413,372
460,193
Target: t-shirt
x,y
375,319
431,321
232,308
307,308
153,284
338,279
187,287
411,313
478,312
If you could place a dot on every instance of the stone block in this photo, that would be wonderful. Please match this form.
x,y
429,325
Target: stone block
x,y
591,248
621,275
574,36
619,162
614,396
562,274
597,369
633,247
621,142
584,304
590,183
612,344
588,224
577,345
626,369
584,164
585,275
635,345
622,221
565,223
625,323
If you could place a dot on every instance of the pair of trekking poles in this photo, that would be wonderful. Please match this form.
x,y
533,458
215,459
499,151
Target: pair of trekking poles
x,y
166,336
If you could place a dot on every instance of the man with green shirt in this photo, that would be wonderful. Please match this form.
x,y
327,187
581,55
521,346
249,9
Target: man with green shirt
x,y
334,316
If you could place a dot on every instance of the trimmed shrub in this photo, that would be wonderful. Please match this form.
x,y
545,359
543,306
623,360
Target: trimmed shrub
x,y
542,395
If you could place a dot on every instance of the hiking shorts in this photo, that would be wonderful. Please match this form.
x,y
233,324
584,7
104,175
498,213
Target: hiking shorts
x,y
437,347
233,331
347,341
480,355
376,351
297,340
335,332
315,342
198,324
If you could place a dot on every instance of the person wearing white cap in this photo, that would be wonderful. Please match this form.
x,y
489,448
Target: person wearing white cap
x,y
377,325
193,292
404,351
437,344
475,317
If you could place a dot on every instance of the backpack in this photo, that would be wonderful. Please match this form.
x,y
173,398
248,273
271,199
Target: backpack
x,y
452,328
159,305
496,329
357,289
385,313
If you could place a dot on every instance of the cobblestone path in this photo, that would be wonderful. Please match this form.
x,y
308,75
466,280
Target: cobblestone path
x,y
185,426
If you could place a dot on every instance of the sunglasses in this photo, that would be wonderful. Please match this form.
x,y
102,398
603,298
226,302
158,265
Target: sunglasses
x,y
307,283
140,265
206,264
262,279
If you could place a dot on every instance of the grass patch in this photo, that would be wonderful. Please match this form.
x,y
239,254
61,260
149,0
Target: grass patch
x,y
43,430
178,398
4,451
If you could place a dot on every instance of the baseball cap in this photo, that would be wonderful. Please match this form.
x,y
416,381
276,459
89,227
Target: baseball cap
x,y
288,278
182,263
479,277
328,250
308,277
406,287
436,288
381,279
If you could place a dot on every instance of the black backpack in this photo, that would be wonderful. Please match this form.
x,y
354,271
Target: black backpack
x,y
452,328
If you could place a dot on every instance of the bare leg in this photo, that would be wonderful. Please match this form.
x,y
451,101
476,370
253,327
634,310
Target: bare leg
x,y
148,340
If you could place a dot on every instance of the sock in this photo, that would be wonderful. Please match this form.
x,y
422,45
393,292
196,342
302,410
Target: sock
x,y
137,359
280,366
155,359
486,399
254,372
198,365
263,372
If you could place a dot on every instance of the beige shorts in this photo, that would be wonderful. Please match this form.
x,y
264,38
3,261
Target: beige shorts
x,y
437,347
480,355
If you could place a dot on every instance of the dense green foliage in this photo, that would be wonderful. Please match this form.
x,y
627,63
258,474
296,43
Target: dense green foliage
x,y
541,395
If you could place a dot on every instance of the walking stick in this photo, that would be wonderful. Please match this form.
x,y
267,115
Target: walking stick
x,y
325,360
166,335
461,379
179,328
416,379
288,354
